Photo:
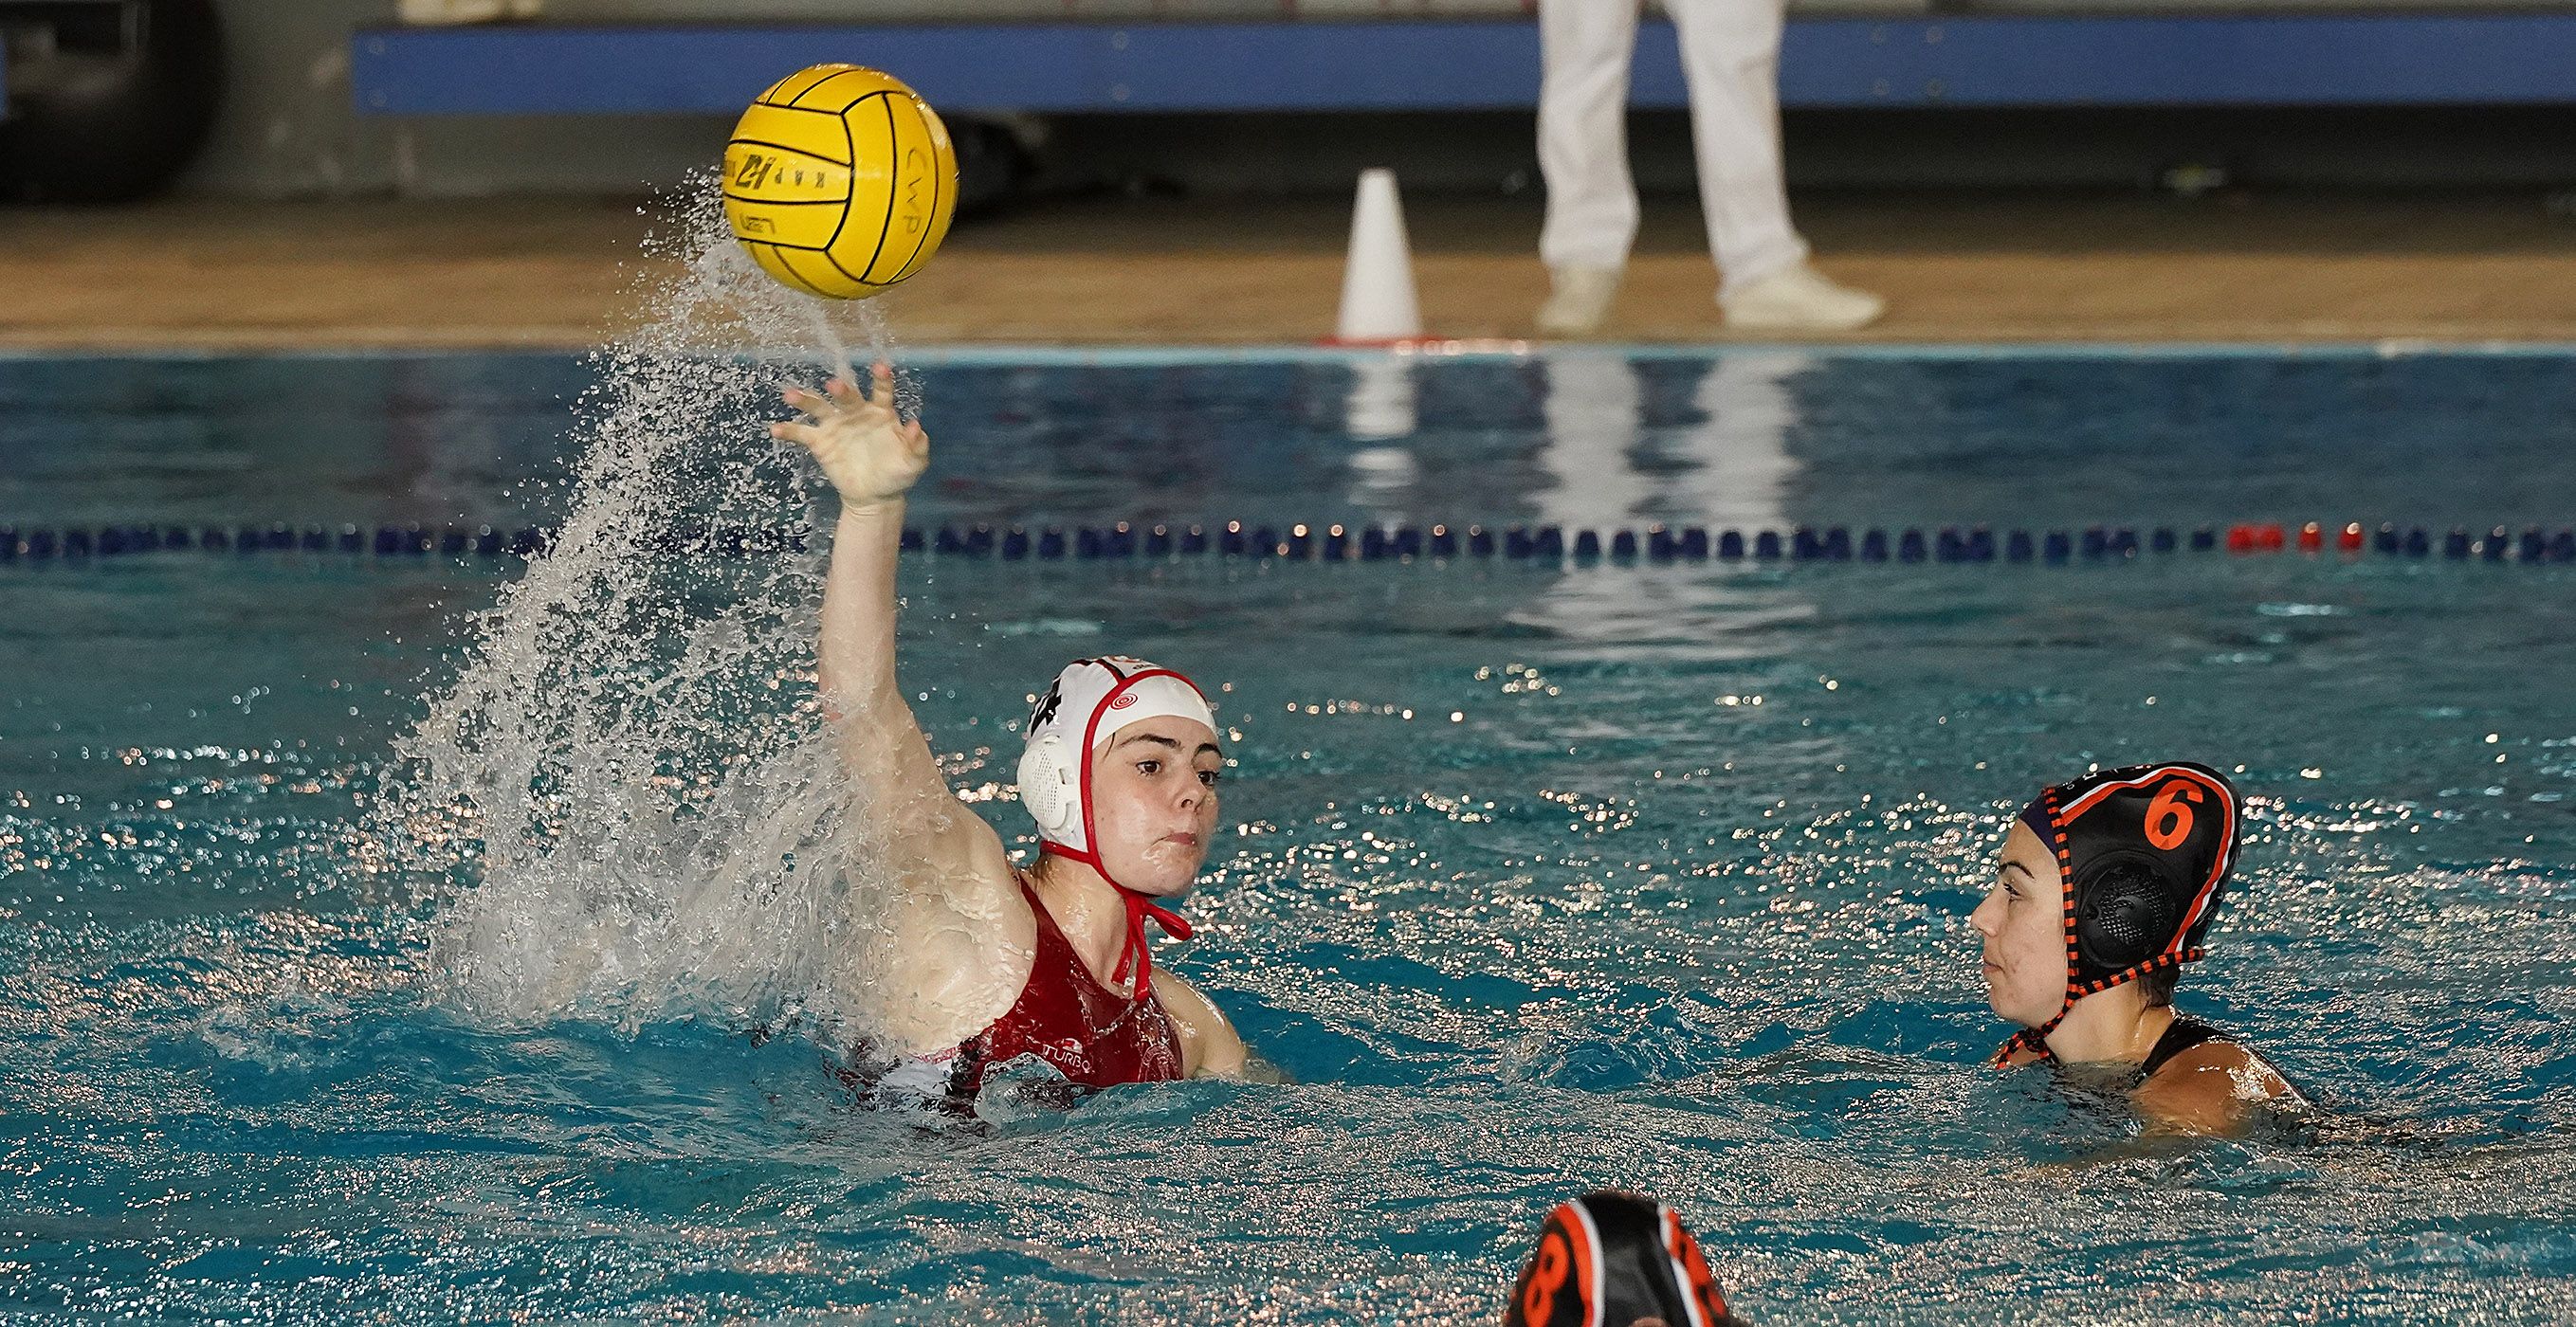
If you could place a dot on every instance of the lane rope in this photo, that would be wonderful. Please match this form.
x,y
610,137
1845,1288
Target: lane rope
x,y
1339,543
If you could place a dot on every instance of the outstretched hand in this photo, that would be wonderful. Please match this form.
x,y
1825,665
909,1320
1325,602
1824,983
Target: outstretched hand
x,y
870,453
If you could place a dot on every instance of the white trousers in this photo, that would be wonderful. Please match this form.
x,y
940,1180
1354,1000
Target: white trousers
x,y
1731,59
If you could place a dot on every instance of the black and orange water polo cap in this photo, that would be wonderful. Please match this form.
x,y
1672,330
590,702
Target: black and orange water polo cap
x,y
1607,1259
2144,853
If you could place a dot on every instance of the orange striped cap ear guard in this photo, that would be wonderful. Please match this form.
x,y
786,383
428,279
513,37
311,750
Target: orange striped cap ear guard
x,y
2143,852
1607,1259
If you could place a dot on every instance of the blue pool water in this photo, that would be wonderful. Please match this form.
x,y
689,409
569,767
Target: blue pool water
x,y
1541,878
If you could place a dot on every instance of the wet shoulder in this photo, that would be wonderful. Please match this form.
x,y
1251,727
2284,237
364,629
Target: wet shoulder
x,y
954,964
2213,1085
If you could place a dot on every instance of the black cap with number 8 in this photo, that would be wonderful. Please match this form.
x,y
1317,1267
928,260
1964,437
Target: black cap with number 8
x,y
1610,1259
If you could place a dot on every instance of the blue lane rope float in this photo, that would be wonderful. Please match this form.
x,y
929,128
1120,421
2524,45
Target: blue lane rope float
x,y
1336,543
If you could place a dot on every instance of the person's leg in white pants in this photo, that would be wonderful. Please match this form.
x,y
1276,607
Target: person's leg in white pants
x,y
1731,58
1585,47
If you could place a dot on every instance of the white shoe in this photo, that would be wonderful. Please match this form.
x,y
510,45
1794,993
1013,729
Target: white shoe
x,y
439,13
1581,302
1799,299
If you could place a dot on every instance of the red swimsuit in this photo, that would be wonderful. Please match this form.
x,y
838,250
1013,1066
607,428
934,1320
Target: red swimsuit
x,y
1094,1036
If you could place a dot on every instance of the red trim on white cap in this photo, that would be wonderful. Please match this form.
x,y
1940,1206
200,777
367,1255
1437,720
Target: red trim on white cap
x,y
1134,955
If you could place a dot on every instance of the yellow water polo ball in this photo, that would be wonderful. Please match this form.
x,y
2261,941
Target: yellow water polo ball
x,y
840,181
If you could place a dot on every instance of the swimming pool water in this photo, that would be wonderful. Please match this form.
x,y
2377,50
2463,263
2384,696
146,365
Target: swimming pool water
x,y
1542,877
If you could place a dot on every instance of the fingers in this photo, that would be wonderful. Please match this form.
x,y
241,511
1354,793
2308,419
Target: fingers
x,y
841,399
841,396
844,393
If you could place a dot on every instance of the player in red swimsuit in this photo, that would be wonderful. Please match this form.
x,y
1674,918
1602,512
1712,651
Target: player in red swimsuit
x,y
988,963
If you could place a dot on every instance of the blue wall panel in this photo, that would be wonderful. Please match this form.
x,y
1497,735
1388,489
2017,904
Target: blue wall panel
x,y
2335,60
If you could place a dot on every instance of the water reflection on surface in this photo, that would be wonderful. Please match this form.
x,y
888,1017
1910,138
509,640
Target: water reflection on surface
x,y
1541,876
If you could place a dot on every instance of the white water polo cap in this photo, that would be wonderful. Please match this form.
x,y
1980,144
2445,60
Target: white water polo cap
x,y
1089,702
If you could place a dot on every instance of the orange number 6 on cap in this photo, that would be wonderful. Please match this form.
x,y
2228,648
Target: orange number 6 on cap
x,y
2168,820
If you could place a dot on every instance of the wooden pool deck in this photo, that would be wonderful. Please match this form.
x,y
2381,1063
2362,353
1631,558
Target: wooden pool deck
x,y
1954,267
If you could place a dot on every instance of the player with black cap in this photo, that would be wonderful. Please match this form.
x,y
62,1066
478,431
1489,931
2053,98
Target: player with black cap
x,y
1611,1259
2105,888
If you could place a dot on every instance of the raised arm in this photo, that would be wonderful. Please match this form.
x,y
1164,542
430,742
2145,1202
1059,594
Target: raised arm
x,y
872,456
956,937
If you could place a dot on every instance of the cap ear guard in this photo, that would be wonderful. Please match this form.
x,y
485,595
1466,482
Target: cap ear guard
x,y
2125,912
1048,787
1047,781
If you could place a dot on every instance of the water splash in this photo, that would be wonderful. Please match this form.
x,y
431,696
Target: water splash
x,y
762,309
623,808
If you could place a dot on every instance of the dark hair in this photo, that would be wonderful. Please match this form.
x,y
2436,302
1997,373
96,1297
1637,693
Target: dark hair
x,y
2158,986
